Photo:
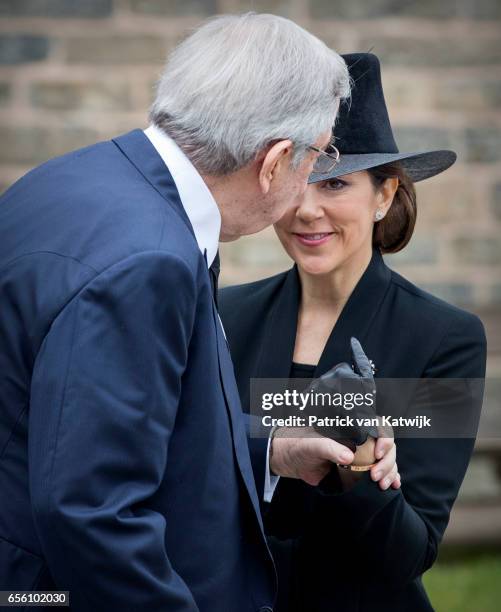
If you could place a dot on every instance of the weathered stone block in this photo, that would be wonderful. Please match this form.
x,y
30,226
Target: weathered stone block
x,y
473,144
259,251
56,8
482,250
276,7
496,200
420,250
21,48
407,91
175,7
32,145
93,96
440,51
461,294
117,49
422,138
482,144
445,199
496,294
22,145
4,93
358,9
361,9
467,93
480,9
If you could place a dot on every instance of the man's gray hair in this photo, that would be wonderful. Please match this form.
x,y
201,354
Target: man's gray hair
x,y
240,82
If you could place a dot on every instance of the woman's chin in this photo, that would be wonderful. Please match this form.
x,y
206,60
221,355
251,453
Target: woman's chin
x,y
316,266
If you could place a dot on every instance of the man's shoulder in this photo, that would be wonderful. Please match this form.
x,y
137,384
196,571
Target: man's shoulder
x,y
50,169
93,206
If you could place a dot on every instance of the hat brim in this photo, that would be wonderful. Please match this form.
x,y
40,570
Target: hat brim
x,y
419,166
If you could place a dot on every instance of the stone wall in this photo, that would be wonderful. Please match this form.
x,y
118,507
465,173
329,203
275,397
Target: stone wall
x,y
76,71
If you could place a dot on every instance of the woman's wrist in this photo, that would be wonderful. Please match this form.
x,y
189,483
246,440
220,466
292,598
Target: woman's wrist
x,y
364,460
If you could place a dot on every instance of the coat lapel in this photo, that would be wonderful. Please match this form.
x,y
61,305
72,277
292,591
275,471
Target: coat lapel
x,y
357,315
356,318
277,348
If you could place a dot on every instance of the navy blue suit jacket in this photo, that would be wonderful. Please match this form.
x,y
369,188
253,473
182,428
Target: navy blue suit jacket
x,y
125,474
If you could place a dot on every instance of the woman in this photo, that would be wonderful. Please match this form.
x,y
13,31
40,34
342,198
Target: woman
x,y
299,323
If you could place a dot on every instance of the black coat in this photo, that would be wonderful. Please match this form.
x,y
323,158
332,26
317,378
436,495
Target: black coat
x,y
364,549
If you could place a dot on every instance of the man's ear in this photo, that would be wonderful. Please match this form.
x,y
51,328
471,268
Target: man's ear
x,y
276,160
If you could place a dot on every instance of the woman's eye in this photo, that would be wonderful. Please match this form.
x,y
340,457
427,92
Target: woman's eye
x,y
334,185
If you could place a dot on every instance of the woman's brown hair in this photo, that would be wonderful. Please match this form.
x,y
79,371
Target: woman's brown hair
x,y
392,233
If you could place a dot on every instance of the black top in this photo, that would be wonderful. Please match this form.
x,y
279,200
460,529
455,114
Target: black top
x,y
302,370
362,550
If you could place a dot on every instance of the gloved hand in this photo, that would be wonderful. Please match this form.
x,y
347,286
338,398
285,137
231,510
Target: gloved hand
x,y
344,379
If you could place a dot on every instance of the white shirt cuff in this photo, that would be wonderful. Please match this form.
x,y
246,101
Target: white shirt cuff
x,y
270,480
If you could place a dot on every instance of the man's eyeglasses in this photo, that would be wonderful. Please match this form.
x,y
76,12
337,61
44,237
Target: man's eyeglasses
x,y
327,159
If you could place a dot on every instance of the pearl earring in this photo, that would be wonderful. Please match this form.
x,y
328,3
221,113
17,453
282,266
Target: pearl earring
x,y
379,215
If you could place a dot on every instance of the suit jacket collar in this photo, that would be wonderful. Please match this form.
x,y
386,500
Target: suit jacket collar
x,y
196,197
138,149
277,349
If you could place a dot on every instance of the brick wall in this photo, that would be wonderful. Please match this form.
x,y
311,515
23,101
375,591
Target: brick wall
x,y
76,71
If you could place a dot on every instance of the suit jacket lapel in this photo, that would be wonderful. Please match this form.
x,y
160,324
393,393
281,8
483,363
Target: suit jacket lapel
x,y
142,154
357,314
235,413
279,337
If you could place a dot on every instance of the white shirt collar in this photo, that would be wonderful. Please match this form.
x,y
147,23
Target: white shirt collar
x,y
196,198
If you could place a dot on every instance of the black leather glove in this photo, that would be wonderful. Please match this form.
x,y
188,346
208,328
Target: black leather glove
x,y
343,379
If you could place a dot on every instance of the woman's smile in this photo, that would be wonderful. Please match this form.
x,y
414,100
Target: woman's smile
x,y
313,239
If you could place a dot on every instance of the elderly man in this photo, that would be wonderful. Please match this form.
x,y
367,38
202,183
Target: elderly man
x,y
125,472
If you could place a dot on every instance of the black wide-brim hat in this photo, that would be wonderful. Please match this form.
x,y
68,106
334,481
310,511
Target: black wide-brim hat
x,y
363,133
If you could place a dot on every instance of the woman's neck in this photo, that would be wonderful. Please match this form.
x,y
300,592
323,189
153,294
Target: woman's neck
x,y
323,297
331,291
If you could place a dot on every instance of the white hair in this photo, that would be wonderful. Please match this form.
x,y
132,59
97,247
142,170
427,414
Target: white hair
x,y
240,82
